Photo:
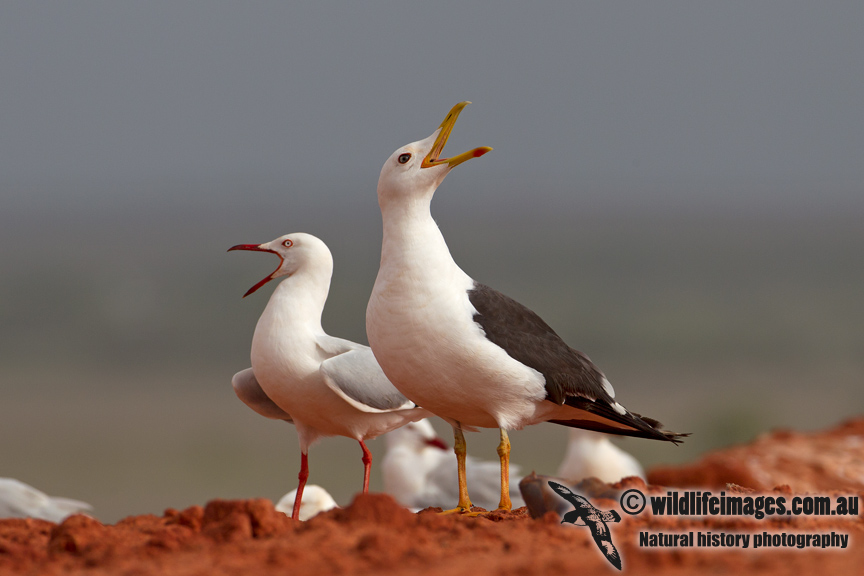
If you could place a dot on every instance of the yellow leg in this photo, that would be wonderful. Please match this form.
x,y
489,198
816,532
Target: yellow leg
x,y
504,455
461,450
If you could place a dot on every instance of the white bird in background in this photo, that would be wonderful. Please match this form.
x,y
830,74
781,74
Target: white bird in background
x,y
20,500
315,500
593,454
326,386
419,470
460,349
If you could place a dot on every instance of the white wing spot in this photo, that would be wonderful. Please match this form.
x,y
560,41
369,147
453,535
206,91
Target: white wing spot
x,y
608,387
618,408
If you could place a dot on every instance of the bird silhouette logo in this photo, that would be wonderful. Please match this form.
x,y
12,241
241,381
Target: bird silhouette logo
x,y
585,514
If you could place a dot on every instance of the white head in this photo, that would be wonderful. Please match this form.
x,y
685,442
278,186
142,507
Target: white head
x,y
315,500
297,252
416,436
592,454
417,169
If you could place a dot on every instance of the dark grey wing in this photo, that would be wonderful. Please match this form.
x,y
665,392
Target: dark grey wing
x,y
528,339
249,391
571,378
358,379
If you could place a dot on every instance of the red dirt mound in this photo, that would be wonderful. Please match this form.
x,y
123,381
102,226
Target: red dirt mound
x,y
829,460
375,535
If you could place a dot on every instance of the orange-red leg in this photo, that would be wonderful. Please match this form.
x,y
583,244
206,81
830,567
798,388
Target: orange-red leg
x,y
303,476
367,466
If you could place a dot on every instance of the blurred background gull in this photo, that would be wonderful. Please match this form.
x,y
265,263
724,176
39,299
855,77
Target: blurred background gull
x,y
677,189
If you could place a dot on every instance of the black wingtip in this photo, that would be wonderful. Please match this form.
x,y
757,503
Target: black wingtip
x,y
676,437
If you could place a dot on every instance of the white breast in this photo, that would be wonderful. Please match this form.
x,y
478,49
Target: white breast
x,y
420,327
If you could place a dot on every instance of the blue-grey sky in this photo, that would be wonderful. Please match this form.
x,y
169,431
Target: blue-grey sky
x,y
640,104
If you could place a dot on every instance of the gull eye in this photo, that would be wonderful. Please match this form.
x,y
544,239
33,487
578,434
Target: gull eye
x,y
287,243
403,158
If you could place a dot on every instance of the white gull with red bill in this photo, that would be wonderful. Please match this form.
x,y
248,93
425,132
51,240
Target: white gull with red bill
x,y
463,350
325,386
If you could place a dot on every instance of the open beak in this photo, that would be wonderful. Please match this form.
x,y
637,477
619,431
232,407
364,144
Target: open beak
x,y
433,158
257,248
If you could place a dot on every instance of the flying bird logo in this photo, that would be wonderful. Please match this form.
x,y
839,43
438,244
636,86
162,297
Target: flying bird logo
x,y
585,514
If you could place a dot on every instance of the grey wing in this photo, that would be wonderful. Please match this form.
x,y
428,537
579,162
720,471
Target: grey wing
x,y
20,500
441,487
356,377
527,338
249,391
570,377
69,506
332,346
484,478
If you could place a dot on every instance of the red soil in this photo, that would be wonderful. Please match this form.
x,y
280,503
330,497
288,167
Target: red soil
x,y
375,535
831,460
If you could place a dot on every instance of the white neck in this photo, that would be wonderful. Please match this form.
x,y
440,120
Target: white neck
x,y
299,299
412,240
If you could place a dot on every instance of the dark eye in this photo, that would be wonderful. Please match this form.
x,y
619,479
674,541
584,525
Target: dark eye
x,y
287,243
403,158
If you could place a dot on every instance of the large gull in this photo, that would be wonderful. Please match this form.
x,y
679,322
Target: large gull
x,y
326,386
461,349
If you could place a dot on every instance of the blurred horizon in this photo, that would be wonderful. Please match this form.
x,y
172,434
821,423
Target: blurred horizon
x,y
677,190
117,357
